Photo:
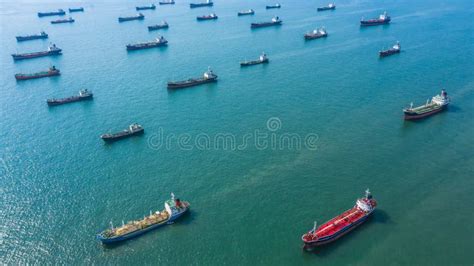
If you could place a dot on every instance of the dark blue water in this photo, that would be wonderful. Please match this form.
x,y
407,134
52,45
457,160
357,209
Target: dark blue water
x,y
60,184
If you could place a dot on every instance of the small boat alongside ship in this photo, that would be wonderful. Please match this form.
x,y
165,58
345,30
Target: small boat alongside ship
x,y
150,7
331,6
394,50
163,25
52,71
207,3
274,22
316,34
52,50
166,2
437,104
207,77
207,17
341,224
77,9
383,19
132,130
174,209
273,6
246,12
83,96
160,41
66,20
138,16
263,59
60,12
42,35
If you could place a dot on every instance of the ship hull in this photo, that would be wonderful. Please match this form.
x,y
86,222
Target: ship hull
x,y
71,10
313,37
29,38
62,21
130,19
134,48
364,23
166,3
145,8
27,77
325,8
339,234
200,5
114,240
272,7
264,25
35,55
206,18
245,13
388,53
197,82
159,27
119,136
415,116
252,63
49,14
70,100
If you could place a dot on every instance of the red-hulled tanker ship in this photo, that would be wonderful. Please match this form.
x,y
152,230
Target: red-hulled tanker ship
x,y
341,224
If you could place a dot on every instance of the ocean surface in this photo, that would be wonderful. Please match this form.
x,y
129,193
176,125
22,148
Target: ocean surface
x,y
60,184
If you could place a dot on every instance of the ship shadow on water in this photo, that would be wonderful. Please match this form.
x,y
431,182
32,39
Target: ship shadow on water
x,y
378,217
453,109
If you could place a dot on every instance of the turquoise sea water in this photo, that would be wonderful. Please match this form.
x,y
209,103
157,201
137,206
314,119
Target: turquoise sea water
x,y
60,184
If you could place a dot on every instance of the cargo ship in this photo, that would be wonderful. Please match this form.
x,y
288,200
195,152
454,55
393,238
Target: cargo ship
x,y
138,16
207,3
437,104
60,12
341,224
263,59
77,9
383,19
316,34
273,6
42,35
83,96
163,25
160,41
331,6
52,71
207,17
246,12
52,50
167,2
208,77
274,22
174,209
133,129
59,21
152,6
394,50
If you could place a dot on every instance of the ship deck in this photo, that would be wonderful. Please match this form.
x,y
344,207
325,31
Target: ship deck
x,y
425,108
339,222
133,226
